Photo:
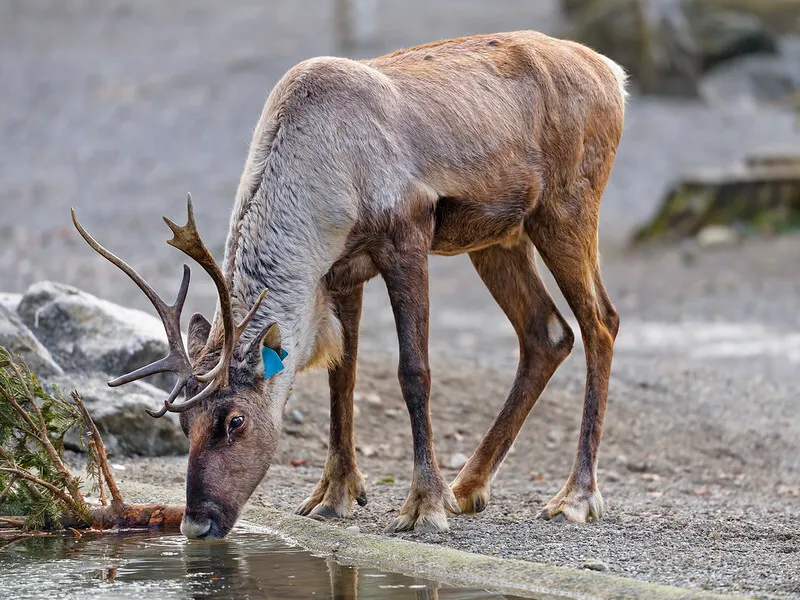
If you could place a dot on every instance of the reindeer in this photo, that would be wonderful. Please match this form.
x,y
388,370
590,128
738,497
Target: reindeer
x,y
493,145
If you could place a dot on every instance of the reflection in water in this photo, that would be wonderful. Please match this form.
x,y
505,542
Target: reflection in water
x,y
244,565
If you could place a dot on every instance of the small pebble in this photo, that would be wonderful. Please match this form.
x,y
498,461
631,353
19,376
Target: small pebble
x,y
296,417
717,235
367,451
353,528
595,565
454,435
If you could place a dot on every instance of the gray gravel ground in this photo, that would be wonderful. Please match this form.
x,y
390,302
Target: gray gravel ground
x,y
119,108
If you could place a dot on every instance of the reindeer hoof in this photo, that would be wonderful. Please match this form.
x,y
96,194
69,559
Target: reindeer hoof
x,y
471,489
431,522
471,501
324,513
333,498
575,505
425,511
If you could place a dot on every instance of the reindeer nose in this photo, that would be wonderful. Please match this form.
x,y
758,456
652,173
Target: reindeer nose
x,y
195,529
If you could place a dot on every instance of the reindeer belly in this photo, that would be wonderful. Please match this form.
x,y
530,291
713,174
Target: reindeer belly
x,y
463,224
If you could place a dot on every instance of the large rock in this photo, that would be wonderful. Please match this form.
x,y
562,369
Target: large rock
x,y
17,339
10,301
119,415
88,335
752,80
666,45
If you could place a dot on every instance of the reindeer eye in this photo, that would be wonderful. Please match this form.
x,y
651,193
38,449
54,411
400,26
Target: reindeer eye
x,y
235,423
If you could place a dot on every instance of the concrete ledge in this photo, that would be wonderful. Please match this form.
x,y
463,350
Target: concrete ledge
x,y
438,563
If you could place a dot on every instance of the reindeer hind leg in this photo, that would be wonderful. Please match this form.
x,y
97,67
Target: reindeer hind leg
x,y
568,245
545,340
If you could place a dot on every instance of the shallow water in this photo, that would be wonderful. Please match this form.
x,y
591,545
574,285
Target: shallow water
x,y
152,565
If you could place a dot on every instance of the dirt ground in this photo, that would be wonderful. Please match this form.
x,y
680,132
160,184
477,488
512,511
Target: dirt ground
x,y
119,107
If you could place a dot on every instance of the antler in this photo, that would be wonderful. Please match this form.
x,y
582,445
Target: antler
x,y
186,239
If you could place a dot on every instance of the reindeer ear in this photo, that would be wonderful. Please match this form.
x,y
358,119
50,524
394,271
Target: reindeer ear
x,y
197,335
264,355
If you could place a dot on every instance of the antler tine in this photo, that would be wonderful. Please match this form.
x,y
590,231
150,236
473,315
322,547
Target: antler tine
x,y
187,239
157,414
249,316
176,361
193,401
179,385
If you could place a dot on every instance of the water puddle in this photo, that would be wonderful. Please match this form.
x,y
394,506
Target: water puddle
x,y
152,565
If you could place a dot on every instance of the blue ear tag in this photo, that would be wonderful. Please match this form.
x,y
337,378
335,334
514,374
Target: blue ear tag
x,y
272,362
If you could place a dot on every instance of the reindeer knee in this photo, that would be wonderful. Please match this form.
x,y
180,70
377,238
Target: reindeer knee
x,y
553,342
559,333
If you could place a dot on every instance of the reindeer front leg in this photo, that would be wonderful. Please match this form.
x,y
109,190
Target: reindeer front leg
x,y
404,268
341,481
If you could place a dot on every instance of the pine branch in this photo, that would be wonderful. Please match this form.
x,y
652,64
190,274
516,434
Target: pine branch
x,y
58,493
37,489
42,434
11,481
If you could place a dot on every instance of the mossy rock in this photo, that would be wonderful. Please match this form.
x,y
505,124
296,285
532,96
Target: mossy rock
x,y
762,195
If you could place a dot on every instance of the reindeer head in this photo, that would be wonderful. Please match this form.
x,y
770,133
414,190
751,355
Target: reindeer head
x,y
233,407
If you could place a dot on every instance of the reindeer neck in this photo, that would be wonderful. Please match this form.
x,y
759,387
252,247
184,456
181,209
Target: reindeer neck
x,y
274,243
